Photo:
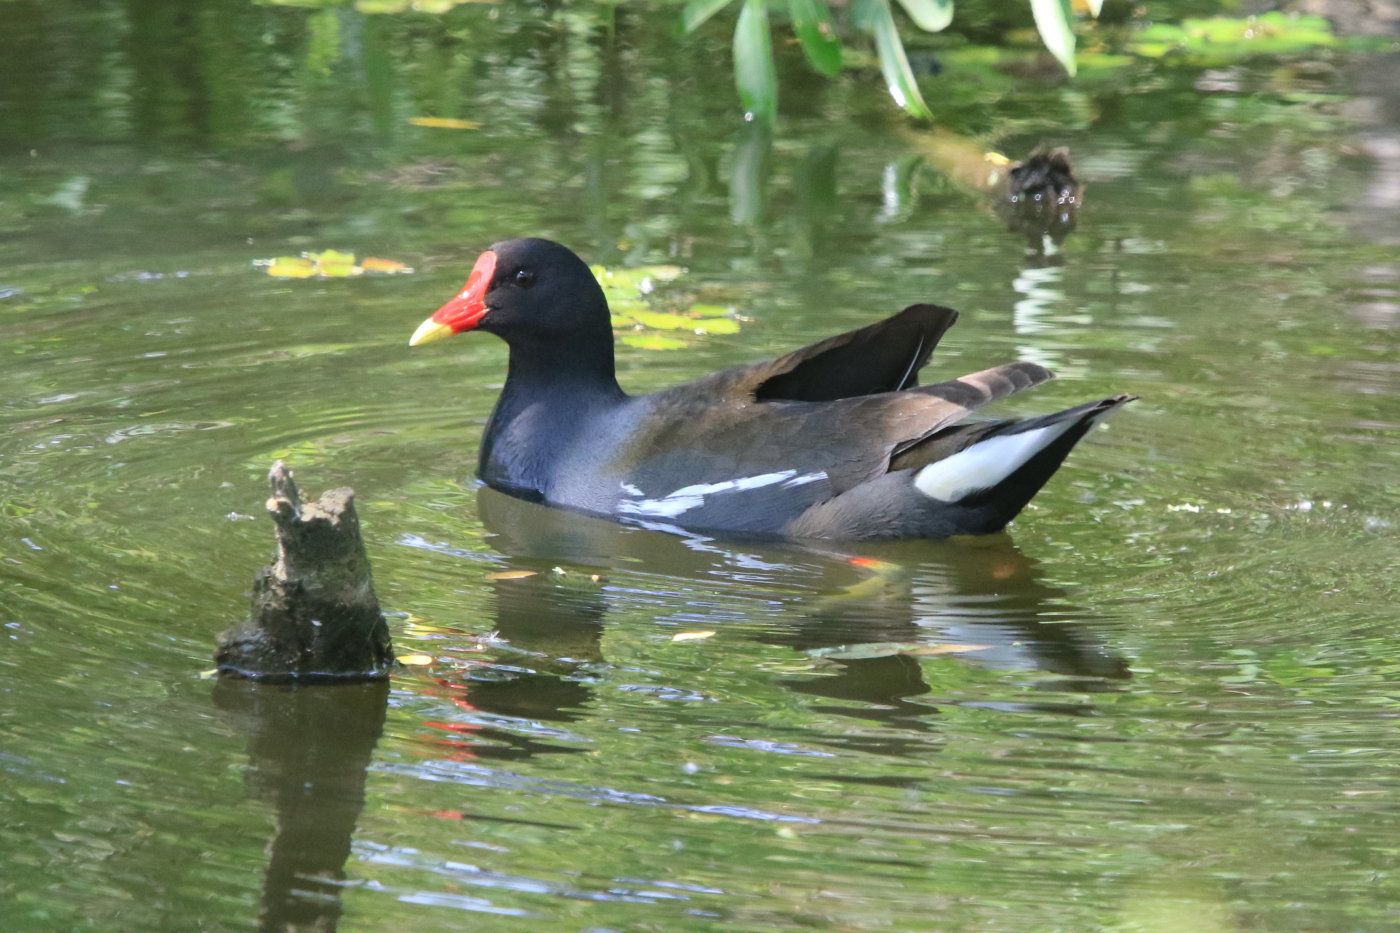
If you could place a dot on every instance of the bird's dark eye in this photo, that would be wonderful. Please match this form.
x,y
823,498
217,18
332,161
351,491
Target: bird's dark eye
x,y
524,278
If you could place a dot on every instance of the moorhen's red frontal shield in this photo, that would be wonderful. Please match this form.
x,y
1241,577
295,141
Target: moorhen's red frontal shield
x,y
464,311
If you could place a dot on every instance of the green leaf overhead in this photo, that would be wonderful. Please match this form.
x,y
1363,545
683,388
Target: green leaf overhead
x,y
754,71
696,12
1055,22
929,15
811,21
894,64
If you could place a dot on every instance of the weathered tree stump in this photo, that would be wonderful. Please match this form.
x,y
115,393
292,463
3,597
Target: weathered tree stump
x,y
314,615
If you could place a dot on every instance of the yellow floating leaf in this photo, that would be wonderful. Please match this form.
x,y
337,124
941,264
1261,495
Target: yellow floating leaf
x,y
422,628
929,651
209,674
691,636
444,123
375,264
650,342
338,270
435,6
415,660
512,574
291,267
332,257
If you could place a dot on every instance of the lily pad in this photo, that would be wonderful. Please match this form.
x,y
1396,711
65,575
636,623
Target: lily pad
x,y
291,267
329,264
653,342
637,305
1221,39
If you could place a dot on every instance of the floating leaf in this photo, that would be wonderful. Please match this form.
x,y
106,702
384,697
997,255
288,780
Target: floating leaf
x,y
873,564
635,277
929,15
928,651
375,264
625,289
292,267
331,257
811,22
697,12
330,264
660,320
755,75
335,264
878,649
1223,39
415,660
886,649
444,123
651,342
512,574
1053,18
714,325
654,274
691,636
623,309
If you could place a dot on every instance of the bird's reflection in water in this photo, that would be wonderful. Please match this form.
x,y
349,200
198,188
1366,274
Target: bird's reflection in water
x,y
983,593
309,748
553,635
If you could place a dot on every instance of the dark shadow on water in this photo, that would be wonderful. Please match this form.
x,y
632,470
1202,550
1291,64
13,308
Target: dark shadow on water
x,y
308,749
984,593
551,636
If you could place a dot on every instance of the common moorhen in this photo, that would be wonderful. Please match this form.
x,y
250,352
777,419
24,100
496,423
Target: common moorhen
x,y
836,440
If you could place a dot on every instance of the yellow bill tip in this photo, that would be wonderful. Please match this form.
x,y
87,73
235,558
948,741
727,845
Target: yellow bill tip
x,y
429,331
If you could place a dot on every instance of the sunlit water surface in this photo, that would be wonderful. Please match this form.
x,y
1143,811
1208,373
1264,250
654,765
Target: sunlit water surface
x,y
1167,700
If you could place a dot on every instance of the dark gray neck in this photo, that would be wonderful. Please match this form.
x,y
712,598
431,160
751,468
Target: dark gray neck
x,y
551,367
551,397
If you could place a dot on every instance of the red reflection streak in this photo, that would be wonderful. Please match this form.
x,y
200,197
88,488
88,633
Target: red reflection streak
x,y
461,748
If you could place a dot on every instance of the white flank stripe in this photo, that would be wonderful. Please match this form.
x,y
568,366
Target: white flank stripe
x,y
985,463
692,497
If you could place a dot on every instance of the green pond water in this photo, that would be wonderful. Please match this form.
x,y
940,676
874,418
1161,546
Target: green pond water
x,y
1167,700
